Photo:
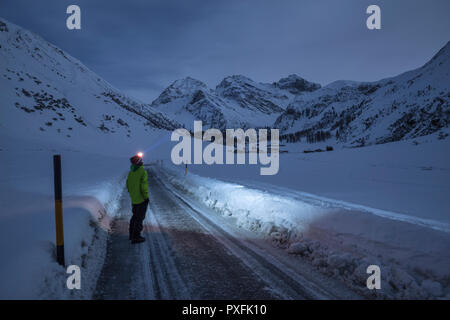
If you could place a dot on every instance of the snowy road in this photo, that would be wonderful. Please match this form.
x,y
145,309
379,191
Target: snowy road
x,y
193,253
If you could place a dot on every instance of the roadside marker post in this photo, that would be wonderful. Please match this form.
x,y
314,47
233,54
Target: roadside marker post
x,y
58,210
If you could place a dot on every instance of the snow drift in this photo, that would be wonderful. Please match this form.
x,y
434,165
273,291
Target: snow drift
x,y
336,237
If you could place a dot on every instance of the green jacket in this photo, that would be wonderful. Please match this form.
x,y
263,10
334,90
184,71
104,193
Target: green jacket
x,y
137,184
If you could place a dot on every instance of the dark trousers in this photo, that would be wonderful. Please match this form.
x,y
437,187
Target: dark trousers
x,y
139,211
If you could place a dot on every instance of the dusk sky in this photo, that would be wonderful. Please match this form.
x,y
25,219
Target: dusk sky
x,y
141,46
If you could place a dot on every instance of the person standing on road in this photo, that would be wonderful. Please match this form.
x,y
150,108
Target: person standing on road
x,y
137,186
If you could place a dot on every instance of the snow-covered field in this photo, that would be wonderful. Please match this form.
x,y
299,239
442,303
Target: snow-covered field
x,y
400,177
344,210
92,185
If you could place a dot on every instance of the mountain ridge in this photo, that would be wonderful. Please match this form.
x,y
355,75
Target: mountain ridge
x,y
410,105
50,93
237,101
414,103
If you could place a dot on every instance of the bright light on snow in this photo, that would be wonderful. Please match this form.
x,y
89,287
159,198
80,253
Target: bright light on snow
x,y
323,230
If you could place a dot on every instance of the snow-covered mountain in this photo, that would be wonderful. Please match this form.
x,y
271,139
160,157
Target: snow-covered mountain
x,y
49,95
413,104
236,102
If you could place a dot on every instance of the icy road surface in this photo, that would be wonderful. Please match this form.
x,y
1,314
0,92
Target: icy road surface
x,y
193,253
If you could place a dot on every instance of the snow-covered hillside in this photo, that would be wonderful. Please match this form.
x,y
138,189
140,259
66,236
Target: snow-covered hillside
x,y
51,103
413,104
49,95
237,102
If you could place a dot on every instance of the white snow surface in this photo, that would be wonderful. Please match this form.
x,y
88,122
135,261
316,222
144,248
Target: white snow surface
x,y
92,186
411,178
340,239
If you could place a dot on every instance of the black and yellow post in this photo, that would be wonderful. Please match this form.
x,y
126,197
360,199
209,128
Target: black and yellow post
x,y
58,210
185,170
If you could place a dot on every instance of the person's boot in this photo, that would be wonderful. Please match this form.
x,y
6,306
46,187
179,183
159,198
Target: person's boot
x,y
139,239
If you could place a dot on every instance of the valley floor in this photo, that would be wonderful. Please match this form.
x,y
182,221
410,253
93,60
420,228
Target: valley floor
x,y
410,177
309,232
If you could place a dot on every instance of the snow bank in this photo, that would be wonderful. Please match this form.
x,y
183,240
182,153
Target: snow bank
x,y
253,209
399,177
87,223
92,187
338,240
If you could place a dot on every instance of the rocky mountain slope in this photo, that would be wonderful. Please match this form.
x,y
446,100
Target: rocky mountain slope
x,y
410,105
47,94
237,102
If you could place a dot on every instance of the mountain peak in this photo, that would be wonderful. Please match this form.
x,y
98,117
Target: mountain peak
x,y
180,89
187,83
236,79
296,84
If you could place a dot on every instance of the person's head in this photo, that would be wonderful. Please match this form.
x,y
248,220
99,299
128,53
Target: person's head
x,y
136,160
